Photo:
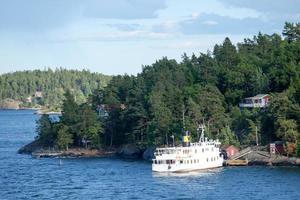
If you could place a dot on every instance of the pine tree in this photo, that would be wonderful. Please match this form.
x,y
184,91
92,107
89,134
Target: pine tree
x,y
64,138
46,135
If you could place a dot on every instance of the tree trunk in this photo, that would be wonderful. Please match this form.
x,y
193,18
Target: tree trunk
x,y
111,140
167,139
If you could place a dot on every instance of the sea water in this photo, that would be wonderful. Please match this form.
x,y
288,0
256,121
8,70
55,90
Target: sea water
x,y
24,177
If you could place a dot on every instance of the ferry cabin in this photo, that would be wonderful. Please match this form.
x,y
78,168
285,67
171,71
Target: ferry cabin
x,y
201,155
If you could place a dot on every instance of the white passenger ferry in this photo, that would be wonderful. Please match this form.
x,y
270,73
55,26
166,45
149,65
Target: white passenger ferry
x,y
204,154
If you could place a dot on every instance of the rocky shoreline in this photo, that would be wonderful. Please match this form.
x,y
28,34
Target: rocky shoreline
x,y
37,151
131,151
257,157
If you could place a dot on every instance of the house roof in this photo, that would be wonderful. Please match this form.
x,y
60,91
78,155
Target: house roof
x,y
258,96
231,146
277,142
261,95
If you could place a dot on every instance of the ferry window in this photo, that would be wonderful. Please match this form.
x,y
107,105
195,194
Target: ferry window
x,y
211,159
196,151
203,150
155,161
207,159
212,149
181,161
198,160
187,161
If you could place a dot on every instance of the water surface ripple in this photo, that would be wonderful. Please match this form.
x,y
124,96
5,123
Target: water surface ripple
x,y
22,177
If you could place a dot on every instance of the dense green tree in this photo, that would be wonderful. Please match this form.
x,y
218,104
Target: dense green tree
x,y
64,137
69,109
291,31
89,127
52,84
287,130
227,137
149,108
46,135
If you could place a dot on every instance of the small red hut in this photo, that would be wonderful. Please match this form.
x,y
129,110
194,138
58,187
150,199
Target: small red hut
x,y
231,151
277,147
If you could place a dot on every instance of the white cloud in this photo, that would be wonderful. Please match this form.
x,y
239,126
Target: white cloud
x,y
195,15
210,22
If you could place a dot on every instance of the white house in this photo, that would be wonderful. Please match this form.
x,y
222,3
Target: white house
x,y
258,101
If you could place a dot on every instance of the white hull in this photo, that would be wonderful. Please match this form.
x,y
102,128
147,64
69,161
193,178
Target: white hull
x,y
178,168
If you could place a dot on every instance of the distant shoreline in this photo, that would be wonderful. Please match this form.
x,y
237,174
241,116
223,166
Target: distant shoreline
x,y
37,111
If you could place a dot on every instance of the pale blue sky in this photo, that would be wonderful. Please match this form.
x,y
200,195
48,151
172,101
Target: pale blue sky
x,y
119,36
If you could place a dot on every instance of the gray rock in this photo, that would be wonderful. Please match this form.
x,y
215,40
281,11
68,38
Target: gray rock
x,y
30,148
129,151
149,153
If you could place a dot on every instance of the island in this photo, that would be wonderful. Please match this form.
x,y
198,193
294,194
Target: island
x,y
245,94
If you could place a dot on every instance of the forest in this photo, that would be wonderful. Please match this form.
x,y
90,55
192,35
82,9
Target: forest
x,y
50,85
147,109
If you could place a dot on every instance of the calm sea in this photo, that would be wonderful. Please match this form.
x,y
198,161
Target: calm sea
x,y
23,177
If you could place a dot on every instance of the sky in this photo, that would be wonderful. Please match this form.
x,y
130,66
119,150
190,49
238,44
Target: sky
x,y
120,36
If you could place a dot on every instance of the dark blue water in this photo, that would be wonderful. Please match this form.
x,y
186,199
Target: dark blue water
x,y
23,177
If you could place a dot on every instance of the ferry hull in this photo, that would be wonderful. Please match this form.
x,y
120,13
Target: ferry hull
x,y
180,168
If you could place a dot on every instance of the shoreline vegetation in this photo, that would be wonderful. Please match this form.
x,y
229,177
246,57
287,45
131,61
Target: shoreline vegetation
x,y
44,89
133,113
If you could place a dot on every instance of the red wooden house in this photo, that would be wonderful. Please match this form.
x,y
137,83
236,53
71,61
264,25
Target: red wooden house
x,y
277,147
231,151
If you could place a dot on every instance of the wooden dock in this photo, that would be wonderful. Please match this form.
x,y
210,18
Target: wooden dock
x,y
236,162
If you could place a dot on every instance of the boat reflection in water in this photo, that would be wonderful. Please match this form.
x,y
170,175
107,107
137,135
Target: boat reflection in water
x,y
196,173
